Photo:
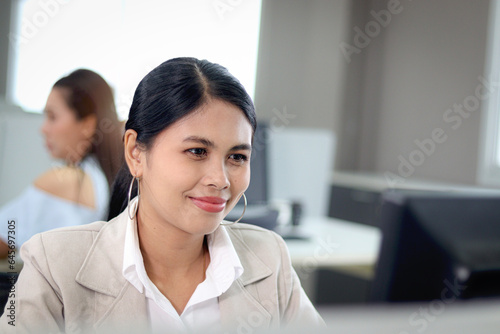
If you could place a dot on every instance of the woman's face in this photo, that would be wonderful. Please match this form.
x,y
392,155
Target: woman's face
x,y
197,169
66,137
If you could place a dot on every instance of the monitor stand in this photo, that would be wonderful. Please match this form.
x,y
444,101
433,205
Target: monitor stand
x,y
264,216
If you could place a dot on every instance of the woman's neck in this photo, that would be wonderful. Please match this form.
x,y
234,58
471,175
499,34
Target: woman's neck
x,y
175,261
167,248
75,161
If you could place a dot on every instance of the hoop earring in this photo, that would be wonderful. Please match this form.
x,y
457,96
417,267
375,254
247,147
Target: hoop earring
x,y
242,214
132,216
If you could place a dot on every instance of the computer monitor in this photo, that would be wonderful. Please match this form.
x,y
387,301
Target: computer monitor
x,y
257,192
258,211
438,246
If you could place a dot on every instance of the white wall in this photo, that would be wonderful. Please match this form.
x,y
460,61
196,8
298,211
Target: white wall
x,y
393,92
22,153
434,52
299,67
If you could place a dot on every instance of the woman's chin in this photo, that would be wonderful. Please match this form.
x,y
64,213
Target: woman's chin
x,y
56,156
53,154
212,226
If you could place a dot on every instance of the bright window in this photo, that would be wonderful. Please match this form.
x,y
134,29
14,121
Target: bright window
x,y
489,163
124,39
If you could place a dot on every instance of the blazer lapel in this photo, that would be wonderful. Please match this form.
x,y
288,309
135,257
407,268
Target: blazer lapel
x,y
125,313
117,302
240,310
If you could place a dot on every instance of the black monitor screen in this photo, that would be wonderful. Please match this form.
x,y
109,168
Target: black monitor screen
x,y
442,246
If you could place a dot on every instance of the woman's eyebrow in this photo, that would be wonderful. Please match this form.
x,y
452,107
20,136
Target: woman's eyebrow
x,y
200,140
211,144
241,147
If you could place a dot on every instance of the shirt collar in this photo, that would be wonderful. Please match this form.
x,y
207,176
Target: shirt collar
x,y
225,266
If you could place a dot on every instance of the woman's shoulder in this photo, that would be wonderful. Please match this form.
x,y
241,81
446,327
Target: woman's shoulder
x,y
256,238
75,239
249,230
63,249
59,247
58,239
69,183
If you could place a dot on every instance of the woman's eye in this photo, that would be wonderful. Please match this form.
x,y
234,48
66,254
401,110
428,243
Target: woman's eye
x,y
240,158
50,116
199,152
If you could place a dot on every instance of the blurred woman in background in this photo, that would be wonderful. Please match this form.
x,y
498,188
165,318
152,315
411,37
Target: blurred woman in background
x,y
82,130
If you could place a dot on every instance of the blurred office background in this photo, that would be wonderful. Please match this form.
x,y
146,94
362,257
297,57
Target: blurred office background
x,y
387,93
378,91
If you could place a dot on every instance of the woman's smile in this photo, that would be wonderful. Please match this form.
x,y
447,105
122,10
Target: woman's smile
x,y
210,203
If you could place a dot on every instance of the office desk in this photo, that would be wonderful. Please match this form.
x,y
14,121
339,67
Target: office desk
x,y
335,243
336,264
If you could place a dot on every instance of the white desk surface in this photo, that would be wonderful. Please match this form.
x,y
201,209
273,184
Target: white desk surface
x,y
335,243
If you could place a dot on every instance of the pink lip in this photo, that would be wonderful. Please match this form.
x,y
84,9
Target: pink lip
x,y
209,203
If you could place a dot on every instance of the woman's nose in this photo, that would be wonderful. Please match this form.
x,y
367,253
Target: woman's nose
x,y
44,128
217,176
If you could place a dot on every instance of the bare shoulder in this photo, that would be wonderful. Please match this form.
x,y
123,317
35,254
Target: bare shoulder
x,y
68,183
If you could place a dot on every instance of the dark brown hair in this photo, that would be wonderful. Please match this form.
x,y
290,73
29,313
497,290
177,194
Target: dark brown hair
x,y
87,93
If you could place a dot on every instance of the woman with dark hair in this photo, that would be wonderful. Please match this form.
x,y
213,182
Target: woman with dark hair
x,y
169,262
82,130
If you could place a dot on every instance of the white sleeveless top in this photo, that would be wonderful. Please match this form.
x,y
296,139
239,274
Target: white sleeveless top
x,y
35,210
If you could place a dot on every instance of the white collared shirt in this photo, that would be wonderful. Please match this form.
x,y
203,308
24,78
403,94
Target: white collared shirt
x,y
202,310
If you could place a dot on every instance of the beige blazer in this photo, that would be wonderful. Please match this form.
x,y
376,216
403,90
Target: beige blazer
x,y
72,282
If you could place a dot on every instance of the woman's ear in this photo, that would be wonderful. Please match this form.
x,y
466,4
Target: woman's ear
x,y
89,126
134,156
